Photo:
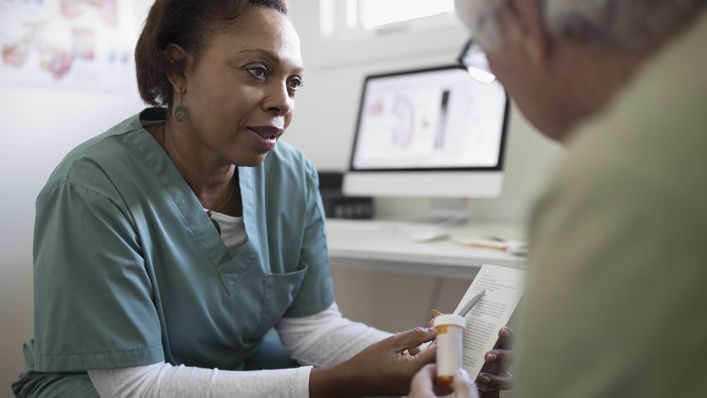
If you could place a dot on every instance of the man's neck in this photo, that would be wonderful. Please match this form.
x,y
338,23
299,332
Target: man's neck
x,y
594,76
603,73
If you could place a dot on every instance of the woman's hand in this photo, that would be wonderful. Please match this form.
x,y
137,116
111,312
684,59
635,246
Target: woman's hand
x,y
383,368
494,375
423,385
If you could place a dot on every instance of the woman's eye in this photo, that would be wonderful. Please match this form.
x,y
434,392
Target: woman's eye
x,y
258,72
294,83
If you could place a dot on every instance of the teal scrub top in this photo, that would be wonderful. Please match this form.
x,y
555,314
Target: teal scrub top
x,y
129,270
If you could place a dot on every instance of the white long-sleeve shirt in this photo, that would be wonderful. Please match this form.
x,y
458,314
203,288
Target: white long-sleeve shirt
x,y
322,339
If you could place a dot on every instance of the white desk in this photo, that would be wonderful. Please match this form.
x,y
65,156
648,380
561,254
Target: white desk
x,y
389,246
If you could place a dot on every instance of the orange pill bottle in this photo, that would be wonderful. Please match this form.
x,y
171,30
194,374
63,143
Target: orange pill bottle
x,y
450,345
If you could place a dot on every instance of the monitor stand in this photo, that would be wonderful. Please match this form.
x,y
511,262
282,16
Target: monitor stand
x,y
431,211
450,211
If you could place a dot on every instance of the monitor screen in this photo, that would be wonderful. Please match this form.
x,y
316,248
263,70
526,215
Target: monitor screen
x,y
436,123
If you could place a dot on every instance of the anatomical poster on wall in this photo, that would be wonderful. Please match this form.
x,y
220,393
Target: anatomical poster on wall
x,y
73,44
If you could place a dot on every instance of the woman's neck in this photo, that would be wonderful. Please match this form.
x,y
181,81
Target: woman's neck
x,y
216,186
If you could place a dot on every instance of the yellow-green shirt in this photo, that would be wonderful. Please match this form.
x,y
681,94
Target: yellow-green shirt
x,y
616,304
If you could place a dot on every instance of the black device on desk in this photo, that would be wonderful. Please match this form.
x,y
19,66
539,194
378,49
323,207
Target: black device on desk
x,y
338,205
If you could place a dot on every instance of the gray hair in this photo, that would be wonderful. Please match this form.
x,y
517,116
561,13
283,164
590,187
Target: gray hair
x,y
624,24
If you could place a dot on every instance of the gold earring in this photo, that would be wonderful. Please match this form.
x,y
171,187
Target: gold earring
x,y
180,112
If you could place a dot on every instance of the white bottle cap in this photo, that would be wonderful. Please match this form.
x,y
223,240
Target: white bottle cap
x,y
449,319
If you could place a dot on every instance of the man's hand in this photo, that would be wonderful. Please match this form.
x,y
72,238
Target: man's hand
x,y
423,385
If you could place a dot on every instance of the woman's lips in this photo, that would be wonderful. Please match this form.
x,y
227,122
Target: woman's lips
x,y
265,137
267,131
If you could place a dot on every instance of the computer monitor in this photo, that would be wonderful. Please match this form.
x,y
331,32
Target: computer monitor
x,y
430,133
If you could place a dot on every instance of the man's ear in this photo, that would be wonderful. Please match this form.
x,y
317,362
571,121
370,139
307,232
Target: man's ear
x,y
182,62
528,20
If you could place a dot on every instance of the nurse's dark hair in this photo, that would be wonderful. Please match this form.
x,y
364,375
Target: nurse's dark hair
x,y
189,23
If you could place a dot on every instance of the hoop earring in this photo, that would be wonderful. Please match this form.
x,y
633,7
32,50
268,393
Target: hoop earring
x,y
180,112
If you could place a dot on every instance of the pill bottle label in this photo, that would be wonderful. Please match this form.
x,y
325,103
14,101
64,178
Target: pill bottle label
x,y
449,350
450,332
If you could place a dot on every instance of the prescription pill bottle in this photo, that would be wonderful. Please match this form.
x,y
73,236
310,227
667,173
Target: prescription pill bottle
x,y
450,333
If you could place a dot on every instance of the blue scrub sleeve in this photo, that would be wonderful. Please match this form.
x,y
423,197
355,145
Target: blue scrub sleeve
x,y
93,296
317,291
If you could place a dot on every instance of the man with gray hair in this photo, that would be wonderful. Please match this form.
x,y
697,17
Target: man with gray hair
x,y
616,297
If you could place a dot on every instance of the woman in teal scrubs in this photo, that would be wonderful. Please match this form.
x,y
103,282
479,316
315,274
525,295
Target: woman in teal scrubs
x,y
167,247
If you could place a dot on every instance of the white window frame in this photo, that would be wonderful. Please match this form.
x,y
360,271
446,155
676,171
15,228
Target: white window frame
x,y
334,42
339,22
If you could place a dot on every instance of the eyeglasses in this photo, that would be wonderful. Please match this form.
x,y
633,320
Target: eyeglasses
x,y
475,62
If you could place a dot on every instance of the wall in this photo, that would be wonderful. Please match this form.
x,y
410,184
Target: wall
x,y
328,103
